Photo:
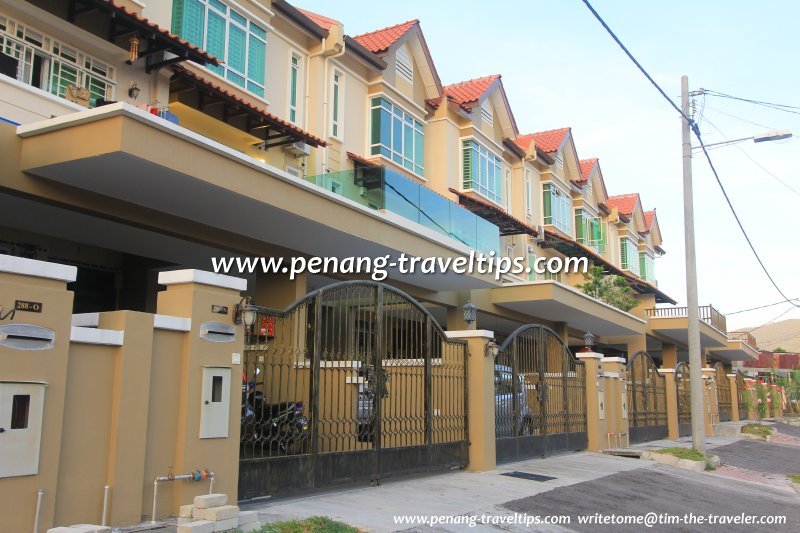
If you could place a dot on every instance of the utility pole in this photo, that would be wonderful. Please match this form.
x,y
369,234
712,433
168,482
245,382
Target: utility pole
x,y
693,312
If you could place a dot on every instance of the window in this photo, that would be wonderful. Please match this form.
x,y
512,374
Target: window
x,y
528,211
294,79
239,43
404,66
629,254
510,251
647,267
482,171
531,264
52,66
216,389
553,276
396,135
590,230
508,191
557,208
20,407
337,110
559,162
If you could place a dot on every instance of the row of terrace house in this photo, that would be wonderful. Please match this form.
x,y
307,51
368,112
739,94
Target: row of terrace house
x,y
140,138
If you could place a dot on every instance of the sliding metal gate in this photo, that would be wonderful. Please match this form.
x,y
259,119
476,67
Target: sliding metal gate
x,y
647,399
382,389
683,389
540,396
724,404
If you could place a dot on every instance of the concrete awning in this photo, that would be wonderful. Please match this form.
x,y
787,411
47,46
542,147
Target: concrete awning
x,y
123,153
736,350
557,302
677,330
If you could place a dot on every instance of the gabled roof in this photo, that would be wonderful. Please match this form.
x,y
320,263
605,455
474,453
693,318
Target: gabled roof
x,y
625,203
470,91
379,41
549,141
587,165
649,216
320,20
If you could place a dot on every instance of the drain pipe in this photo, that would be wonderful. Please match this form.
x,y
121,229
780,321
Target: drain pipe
x,y
39,498
196,475
106,493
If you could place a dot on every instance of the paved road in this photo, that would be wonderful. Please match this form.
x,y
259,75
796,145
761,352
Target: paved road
x,y
664,489
761,456
788,429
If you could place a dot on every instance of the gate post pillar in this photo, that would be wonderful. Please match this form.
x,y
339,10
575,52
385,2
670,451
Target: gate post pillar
x,y
734,398
207,434
673,432
710,400
481,400
596,420
616,387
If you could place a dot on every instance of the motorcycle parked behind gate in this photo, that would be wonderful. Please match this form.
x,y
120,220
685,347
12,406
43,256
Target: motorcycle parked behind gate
x,y
280,427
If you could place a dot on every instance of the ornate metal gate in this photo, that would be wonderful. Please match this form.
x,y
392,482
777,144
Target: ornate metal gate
x,y
647,399
740,395
540,396
684,394
352,383
724,404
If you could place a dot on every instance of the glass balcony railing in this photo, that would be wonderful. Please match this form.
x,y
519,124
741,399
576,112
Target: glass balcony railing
x,y
382,188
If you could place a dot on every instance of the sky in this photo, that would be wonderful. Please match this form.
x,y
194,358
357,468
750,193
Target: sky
x,y
560,68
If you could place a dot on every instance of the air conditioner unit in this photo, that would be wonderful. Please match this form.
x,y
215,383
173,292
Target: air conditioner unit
x,y
540,233
298,149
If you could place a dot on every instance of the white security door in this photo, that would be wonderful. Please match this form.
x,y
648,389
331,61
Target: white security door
x,y
21,408
215,413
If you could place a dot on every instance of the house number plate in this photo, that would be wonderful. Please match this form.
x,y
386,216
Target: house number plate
x,y
30,307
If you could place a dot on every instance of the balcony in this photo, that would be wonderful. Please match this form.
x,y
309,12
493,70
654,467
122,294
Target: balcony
x,y
743,336
672,324
741,346
384,189
708,314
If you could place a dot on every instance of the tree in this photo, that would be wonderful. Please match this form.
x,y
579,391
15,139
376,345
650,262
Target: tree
x,y
613,290
779,350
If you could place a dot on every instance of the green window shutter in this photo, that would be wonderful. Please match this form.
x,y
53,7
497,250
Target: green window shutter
x,y
547,201
236,48
215,37
188,20
623,252
256,60
580,233
642,265
467,162
603,237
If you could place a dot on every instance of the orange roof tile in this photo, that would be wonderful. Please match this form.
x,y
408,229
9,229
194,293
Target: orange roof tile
x,y
586,167
320,20
548,141
125,12
466,92
625,203
649,216
380,40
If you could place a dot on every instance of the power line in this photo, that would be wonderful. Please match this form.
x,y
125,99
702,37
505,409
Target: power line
x,y
696,130
772,105
714,109
759,307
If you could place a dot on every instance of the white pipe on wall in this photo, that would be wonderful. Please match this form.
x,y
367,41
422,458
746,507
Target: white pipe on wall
x,y
106,492
39,498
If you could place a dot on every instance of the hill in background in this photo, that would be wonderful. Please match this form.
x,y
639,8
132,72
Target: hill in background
x,y
784,334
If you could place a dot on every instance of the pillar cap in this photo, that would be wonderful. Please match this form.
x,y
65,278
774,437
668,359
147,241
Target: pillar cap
x,y
666,370
38,269
709,370
613,359
470,334
589,355
176,277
